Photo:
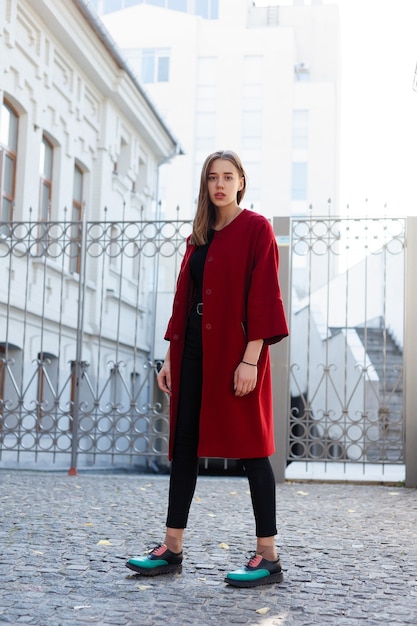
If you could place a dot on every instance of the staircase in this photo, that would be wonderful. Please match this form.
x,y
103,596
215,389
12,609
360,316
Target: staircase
x,y
387,359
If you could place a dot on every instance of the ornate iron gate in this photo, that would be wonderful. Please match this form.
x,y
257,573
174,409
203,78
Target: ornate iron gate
x,y
347,315
82,309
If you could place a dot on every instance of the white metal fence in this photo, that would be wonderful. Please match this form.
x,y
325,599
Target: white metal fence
x,y
347,323
83,311
81,305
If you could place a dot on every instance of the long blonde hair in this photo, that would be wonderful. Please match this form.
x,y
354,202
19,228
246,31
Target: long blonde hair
x,y
205,216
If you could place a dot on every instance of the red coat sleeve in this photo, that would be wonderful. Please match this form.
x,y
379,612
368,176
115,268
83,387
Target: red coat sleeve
x,y
265,310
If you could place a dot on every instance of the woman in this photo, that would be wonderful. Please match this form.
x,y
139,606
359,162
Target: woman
x,y
227,310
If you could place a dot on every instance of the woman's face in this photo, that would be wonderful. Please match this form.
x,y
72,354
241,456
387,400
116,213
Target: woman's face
x,y
223,183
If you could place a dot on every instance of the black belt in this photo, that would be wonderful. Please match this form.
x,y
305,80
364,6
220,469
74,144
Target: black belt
x,y
199,308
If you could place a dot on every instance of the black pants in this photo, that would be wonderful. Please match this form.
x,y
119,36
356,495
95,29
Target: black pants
x,y
184,467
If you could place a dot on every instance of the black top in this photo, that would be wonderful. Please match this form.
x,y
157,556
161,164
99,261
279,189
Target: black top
x,y
197,263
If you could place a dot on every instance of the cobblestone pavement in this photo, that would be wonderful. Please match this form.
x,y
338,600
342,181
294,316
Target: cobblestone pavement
x,y
349,553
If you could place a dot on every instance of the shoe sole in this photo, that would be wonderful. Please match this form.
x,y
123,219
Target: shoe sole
x,y
266,580
155,571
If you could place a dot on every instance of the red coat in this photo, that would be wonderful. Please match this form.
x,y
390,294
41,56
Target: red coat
x,y
242,302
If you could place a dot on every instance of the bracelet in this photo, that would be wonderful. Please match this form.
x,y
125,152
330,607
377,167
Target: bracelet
x,y
253,364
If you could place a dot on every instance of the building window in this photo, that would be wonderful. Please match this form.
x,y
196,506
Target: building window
x,y
178,5
299,181
300,129
121,167
76,217
205,130
155,65
108,6
8,155
141,182
208,9
252,97
252,129
206,98
11,367
45,172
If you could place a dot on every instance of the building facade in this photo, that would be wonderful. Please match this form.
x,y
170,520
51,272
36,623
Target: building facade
x,y
263,81
81,146
78,132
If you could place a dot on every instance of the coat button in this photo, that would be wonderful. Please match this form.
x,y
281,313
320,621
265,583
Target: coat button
x,y
209,259
208,326
176,337
208,292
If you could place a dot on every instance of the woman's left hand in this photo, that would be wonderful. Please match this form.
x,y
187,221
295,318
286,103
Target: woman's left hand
x,y
244,380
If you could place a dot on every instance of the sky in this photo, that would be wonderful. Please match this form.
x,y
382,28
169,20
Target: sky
x,y
378,106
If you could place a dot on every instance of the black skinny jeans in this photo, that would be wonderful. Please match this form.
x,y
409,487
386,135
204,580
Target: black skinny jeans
x,y
184,467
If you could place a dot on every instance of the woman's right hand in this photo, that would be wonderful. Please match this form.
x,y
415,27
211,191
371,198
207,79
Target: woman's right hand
x,y
164,377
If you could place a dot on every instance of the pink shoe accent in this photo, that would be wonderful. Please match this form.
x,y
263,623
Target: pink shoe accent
x,y
159,551
255,560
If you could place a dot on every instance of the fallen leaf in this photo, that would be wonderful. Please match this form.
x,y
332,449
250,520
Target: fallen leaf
x,y
82,606
202,579
88,524
37,552
198,499
211,514
393,493
263,611
143,587
351,510
104,542
233,493
302,493
224,546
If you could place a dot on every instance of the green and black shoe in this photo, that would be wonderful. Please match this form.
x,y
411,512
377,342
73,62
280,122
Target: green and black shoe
x,y
159,561
258,571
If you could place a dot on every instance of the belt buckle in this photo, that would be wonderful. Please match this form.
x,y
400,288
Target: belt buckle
x,y
199,308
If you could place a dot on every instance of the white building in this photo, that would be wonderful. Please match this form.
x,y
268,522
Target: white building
x,y
68,99
261,81
80,150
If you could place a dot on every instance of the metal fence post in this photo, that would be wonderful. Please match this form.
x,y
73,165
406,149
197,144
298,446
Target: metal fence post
x,y
78,366
410,353
280,355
